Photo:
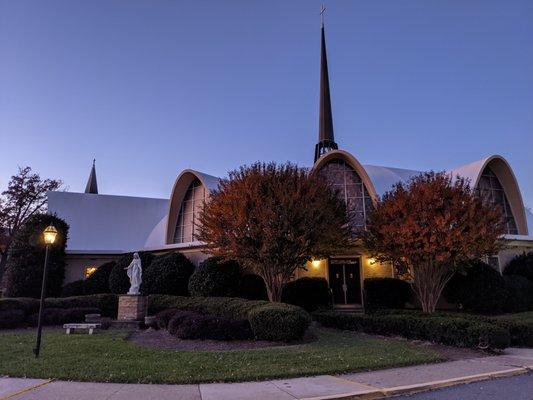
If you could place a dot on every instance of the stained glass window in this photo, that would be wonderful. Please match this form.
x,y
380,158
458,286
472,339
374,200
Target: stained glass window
x,y
192,204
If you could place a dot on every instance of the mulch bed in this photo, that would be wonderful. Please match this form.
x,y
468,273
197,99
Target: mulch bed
x,y
163,340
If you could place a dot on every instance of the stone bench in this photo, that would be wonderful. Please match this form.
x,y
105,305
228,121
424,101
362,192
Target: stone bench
x,y
89,327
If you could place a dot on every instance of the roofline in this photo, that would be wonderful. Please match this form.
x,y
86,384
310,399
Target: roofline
x,y
105,195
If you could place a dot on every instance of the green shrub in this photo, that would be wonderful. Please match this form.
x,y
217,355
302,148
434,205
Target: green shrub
x,y
215,278
119,282
106,303
168,274
480,290
60,316
520,293
308,293
521,265
24,269
27,304
252,287
193,325
279,322
10,319
98,281
76,288
386,293
285,322
456,331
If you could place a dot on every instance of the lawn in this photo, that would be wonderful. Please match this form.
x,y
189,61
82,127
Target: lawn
x,y
107,357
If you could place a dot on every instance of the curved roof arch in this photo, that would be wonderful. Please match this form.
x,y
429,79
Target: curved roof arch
x,y
182,183
503,171
352,162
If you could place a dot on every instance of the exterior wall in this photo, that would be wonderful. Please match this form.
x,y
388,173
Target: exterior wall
x,y
76,264
506,255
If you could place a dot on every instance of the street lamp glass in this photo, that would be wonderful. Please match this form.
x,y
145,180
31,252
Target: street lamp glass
x,y
50,234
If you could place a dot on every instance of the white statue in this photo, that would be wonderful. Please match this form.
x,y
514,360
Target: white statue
x,y
135,274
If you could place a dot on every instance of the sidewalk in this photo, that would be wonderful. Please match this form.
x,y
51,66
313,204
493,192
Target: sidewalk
x,y
367,385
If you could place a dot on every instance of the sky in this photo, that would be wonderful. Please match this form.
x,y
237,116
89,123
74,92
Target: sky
x,y
152,87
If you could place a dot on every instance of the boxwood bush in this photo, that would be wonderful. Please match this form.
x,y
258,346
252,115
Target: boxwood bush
x,y
215,278
308,293
386,293
119,282
252,287
76,288
519,293
167,274
12,318
481,289
98,281
455,331
193,325
285,321
60,316
107,304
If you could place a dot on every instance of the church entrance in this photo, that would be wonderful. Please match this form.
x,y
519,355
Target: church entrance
x,y
345,281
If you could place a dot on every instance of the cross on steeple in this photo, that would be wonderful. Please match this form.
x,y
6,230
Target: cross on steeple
x,y
322,11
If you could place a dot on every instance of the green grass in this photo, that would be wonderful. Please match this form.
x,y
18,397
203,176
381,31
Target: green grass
x,y
107,357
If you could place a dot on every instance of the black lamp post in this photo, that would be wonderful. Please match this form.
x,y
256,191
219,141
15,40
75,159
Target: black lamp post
x,y
50,234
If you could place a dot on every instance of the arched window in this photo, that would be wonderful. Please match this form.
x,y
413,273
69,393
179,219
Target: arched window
x,y
192,204
350,187
490,189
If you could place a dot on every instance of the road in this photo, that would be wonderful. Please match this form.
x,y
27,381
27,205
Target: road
x,y
515,387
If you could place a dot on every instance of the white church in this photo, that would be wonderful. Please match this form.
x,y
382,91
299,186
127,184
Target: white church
x,y
103,226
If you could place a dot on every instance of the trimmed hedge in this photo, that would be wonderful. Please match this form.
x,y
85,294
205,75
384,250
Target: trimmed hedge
x,y
308,293
521,333
521,265
192,325
215,278
119,282
60,316
107,304
456,331
285,322
12,319
386,293
519,293
167,274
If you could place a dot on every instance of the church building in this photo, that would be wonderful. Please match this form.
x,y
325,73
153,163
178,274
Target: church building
x,y
102,227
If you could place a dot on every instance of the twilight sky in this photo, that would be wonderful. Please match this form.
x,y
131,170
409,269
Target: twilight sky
x,y
151,87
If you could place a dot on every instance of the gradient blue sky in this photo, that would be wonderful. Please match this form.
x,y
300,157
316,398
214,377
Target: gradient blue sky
x,y
152,87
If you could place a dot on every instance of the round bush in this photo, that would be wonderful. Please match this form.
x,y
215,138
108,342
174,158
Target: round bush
x,y
308,293
520,293
386,293
252,287
168,274
98,281
191,325
521,265
279,322
76,288
215,278
481,289
12,319
119,282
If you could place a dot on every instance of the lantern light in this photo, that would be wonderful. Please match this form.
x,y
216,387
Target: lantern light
x,y
50,234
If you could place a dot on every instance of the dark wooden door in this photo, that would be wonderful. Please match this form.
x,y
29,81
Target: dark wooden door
x,y
344,281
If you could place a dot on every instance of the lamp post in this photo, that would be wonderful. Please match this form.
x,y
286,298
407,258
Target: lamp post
x,y
49,234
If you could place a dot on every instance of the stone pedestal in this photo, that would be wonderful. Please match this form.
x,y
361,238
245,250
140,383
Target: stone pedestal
x,y
131,307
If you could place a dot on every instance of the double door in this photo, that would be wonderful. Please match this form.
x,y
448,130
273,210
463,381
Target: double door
x,y
345,281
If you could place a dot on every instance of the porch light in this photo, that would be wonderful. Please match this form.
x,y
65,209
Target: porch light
x,y
50,234
315,263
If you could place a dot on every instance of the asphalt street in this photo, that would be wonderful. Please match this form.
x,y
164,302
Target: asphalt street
x,y
512,388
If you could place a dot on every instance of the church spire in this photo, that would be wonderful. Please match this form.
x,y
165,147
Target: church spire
x,y
92,186
326,141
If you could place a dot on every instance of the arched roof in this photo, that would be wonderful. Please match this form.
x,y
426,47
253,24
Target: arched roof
x,y
384,178
352,162
179,189
506,176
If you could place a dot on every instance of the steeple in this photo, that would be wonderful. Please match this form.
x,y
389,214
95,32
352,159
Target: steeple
x,y
92,186
326,141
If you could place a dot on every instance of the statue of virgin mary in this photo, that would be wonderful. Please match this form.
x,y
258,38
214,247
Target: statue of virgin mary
x,y
134,271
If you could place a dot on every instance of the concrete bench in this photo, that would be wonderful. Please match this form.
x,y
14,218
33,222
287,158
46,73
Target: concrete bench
x,y
89,327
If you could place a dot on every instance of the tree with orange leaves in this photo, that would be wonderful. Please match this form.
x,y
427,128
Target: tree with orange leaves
x,y
272,219
428,227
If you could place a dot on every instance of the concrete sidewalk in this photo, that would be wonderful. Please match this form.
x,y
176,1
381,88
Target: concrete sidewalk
x,y
366,385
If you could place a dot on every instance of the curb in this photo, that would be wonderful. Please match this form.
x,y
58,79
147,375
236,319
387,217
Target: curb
x,y
421,387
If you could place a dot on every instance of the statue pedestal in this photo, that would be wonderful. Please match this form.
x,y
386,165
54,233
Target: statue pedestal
x,y
131,307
